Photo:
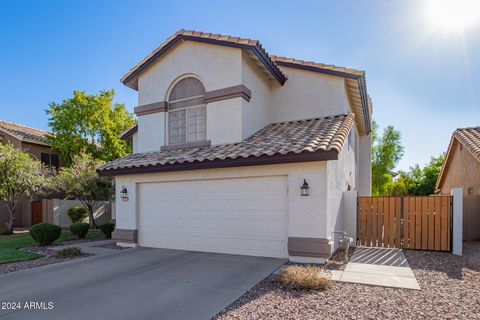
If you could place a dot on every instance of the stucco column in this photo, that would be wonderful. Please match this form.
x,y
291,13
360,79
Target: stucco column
x,y
457,245
349,207
365,165
126,229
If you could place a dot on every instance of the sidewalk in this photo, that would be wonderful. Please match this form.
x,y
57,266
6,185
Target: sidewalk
x,y
378,267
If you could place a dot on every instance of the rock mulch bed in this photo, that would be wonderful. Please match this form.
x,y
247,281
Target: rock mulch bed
x,y
450,290
69,242
48,258
112,246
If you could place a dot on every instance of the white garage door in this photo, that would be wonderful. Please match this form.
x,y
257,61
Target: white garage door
x,y
239,216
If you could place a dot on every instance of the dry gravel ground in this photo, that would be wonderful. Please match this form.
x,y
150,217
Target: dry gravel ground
x,y
450,290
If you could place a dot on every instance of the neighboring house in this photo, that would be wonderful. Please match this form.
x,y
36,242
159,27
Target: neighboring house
x,y
462,170
31,211
34,142
226,137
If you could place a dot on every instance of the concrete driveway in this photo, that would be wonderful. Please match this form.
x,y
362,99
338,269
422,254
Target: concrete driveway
x,y
139,283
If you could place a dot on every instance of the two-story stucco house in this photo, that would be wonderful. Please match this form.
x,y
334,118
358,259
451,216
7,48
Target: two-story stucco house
x,y
34,142
227,136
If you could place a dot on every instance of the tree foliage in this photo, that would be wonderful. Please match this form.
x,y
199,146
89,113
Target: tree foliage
x,y
80,181
419,181
20,175
387,151
91,124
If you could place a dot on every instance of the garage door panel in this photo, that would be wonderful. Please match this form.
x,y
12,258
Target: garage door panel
x,y
239,216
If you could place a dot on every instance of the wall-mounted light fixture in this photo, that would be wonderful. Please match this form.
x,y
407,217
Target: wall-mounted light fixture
x,y
305,189
124,193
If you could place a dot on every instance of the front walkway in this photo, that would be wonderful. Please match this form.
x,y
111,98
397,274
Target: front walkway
x,y
379,267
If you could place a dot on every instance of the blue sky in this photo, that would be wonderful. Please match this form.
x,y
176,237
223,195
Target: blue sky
x,y
424,81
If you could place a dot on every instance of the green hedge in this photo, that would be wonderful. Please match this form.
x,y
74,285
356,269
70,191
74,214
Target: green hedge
x,y
45,233
79,229
77,214
107,229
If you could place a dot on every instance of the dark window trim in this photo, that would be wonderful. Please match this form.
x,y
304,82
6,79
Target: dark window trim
x,y
155,107
228,93
227,163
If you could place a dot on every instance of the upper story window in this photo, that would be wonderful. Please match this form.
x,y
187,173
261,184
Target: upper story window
x,y
186,112
50,159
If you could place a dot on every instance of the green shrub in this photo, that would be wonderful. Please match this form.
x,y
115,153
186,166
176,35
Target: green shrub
x,y
107,229
68,253
80,229
77,214
45,233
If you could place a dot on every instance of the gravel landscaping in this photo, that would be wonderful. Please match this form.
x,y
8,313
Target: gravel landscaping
x,y
49,258
69,242
112,246
450,290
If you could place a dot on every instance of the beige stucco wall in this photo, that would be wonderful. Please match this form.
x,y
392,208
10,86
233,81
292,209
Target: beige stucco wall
x,y
151,132
256,113
6,138
57,211
37,149
463,171
340,174
216,66
135,142
307,215
307,95
224,121
364,165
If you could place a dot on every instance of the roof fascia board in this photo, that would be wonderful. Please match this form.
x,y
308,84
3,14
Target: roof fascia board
x,y
227,163
259,53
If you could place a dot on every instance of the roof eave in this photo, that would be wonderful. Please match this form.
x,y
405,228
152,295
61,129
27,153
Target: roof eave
x,y
256,49
321,155
129,132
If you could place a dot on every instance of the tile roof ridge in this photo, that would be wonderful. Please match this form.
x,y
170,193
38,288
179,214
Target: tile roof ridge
x,y
24,126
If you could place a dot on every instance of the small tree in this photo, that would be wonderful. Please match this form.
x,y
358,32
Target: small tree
x,y
80,181
89,123
20,175
387,151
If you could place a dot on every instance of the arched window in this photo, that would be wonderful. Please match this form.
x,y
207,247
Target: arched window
x,y
186,112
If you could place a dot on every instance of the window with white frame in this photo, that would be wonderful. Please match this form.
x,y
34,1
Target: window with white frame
x,y
186,112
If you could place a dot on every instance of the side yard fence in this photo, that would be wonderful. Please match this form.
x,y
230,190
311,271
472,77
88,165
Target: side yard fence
x,y
418,223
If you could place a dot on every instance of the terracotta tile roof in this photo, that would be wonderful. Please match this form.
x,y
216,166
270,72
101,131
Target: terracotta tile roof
x,y
213,38
470,139
317,65
23,132
296,137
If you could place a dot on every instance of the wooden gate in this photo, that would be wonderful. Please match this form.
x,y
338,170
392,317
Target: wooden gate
x,y
37,212
423,223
